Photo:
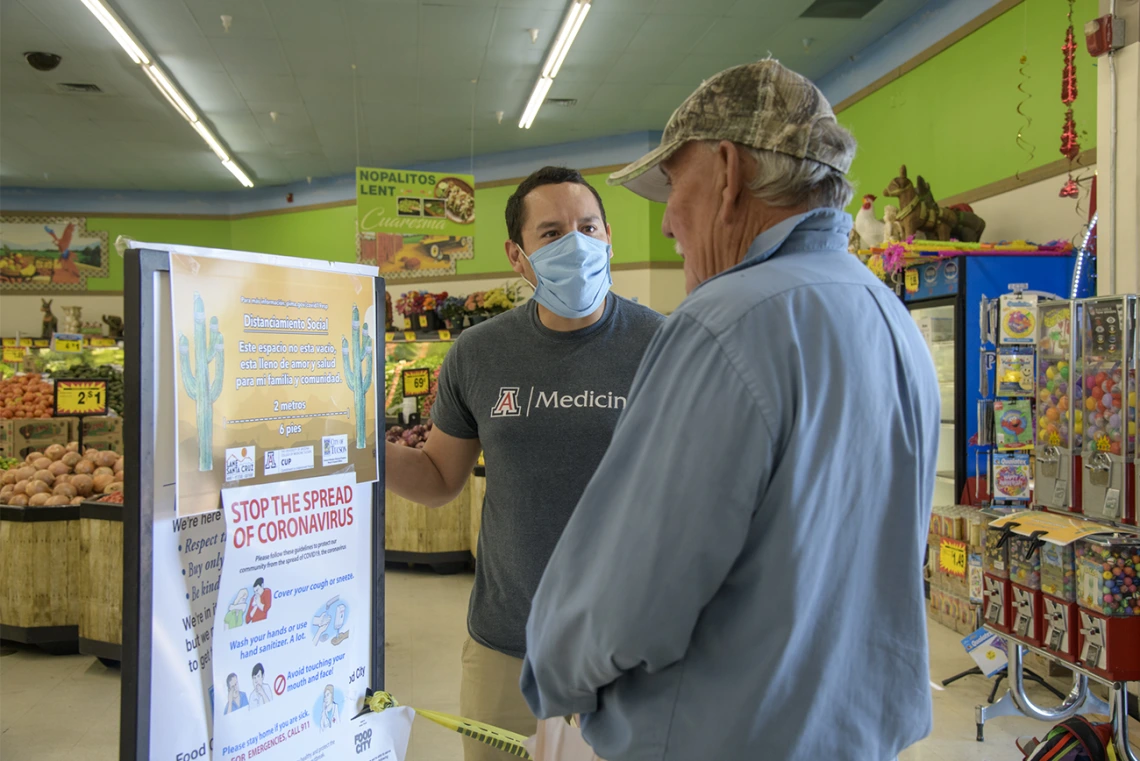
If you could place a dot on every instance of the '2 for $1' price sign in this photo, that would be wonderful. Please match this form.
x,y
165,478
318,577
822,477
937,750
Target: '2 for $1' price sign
x,y
80,397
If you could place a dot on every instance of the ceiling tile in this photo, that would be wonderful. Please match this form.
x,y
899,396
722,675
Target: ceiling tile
x,y
250,20
659,98
676,34
445,27
615,95
382,25
512,27
705,8
209,90
746,38
459,63
264,88
695,69
250,56
239,131
323,61
644,67
307,21
289,115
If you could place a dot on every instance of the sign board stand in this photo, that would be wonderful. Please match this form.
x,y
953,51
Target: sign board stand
x,y
149,441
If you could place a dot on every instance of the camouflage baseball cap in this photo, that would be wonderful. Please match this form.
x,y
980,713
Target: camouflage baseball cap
x,y
762,105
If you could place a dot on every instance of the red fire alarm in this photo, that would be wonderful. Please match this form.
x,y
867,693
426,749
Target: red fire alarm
x,y
1104,34
289,198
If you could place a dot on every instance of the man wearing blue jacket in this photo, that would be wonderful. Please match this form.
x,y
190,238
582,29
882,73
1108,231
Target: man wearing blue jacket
x,y
742,578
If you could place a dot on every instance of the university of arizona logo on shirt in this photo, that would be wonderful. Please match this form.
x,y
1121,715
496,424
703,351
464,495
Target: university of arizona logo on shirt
x,y
508,403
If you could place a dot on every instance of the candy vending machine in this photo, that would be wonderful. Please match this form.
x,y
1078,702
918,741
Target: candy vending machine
x,y
1059,408
1108,356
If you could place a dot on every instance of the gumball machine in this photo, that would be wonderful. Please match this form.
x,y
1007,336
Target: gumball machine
x,y
1059,409
996,591
1108,592
1025,586
1059,600
1108,356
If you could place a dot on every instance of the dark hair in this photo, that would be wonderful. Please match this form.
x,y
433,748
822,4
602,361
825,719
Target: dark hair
x,y
260,582
548,175
258,669
231,676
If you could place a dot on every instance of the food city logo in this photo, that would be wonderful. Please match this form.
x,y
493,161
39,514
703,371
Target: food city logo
x,y
509,402
241,463
363,741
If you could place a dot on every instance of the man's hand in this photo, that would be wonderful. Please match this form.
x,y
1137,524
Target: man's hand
x,y
434,475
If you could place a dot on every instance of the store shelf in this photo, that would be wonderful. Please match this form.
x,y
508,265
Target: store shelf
x,y
1049,656
420,336
945,475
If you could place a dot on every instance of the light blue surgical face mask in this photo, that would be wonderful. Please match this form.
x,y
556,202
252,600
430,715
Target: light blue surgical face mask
x,y
573,275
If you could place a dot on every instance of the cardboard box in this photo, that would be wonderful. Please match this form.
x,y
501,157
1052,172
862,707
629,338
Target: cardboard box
x,y
18,437
103,433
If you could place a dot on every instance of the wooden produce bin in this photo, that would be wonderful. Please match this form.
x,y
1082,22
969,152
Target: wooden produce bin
x,y
39,576
437,537
101,581
478,491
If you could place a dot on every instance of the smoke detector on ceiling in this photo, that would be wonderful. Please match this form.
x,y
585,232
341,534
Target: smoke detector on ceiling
x,y
78,88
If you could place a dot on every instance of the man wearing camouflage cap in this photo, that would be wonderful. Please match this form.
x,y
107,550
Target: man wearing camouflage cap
x,y
742,578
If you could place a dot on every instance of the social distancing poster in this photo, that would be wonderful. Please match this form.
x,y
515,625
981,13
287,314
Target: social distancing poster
x,y
275,373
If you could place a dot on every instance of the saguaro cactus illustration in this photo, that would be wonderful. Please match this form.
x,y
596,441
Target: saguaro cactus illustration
x,y
198,386
358,380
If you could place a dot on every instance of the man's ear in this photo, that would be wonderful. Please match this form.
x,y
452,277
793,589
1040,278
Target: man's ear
x,y
610,239
734,182
516,257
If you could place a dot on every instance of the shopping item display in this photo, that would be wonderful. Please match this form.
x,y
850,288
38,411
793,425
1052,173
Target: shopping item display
x,y
1109,598
955,551
1060,409
59,475
1108,354
1059,595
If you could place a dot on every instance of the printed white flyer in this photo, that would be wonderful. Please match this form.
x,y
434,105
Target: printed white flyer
x,y
291,634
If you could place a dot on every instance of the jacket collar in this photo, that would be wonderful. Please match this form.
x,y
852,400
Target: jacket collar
x,y
817,230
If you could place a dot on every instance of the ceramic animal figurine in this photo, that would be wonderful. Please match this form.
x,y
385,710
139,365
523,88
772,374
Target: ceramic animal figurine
x,y
114,325
894,230
51,324
921,217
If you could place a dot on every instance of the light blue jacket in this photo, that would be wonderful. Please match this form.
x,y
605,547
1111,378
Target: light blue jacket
x,y
742,578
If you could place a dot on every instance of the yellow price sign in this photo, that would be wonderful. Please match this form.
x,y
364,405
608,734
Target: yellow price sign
x,y
101,342
423,321
11,341
952,557
41,343
67,343
409,335
389,336
445,335
14,353
912,281
417,382
80,397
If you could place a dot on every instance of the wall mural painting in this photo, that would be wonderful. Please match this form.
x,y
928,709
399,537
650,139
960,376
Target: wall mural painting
x,y
39,254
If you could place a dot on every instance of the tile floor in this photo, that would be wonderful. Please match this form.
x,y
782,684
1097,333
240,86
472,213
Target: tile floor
x,y
426,626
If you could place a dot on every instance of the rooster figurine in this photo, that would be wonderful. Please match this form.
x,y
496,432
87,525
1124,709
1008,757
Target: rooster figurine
x,y
872,232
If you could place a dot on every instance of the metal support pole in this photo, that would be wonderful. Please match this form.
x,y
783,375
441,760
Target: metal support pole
x,y
1119,697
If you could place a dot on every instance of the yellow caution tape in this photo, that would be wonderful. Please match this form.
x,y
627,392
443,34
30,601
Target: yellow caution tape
x,y
501,739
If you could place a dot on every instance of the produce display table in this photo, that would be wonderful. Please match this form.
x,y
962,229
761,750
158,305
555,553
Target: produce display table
x,y
437,537
101,581
40,576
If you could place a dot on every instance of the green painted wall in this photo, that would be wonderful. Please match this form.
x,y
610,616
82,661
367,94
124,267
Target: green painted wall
x,y
191,232
954,119
315,234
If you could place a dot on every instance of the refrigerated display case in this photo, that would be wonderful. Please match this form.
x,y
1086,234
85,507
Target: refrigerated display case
x,y
944,296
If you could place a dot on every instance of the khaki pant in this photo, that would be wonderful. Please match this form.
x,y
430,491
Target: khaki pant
x,y
489,693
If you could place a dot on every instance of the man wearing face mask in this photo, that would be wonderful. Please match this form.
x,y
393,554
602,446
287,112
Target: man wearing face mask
x,y
539,390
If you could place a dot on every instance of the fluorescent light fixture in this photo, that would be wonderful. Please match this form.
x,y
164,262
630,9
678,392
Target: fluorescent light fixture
x,y
165,85
569,40
236,171
171,92
563,35
108,19
536,99
211,141
566,34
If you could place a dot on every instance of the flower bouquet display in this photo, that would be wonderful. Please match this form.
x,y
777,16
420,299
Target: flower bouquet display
x,y
452,311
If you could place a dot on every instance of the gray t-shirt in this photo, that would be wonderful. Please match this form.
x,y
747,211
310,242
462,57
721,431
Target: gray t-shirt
x,y
544,405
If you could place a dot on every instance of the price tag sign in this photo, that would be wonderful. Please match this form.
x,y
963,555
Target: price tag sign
x,y
912,280
423,320
952,557
445,335
67,343
417,382
80,397
11,341
389,336
41,343
99,342
14,353
409,335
